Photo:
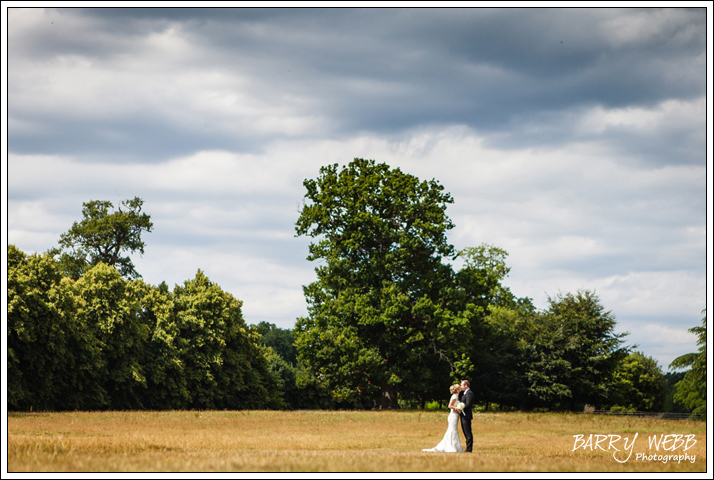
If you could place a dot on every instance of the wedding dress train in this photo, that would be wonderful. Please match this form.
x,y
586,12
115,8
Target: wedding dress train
x,y
450,443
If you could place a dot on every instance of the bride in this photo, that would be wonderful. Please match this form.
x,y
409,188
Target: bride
x,y
450,442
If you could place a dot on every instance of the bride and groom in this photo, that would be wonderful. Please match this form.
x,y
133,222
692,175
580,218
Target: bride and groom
x,y
451,443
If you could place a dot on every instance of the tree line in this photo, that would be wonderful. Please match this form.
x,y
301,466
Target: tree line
x,y
391,321
107,342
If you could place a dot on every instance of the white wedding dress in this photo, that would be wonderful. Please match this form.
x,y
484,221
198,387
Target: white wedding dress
x,y
450,443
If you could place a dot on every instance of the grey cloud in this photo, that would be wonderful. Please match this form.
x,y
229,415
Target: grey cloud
x,y
126,139
390,70
483,67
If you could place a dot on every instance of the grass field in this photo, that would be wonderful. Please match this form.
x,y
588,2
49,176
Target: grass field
x,y
329,441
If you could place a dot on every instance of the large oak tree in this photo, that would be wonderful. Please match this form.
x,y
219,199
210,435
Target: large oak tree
x,y
380,319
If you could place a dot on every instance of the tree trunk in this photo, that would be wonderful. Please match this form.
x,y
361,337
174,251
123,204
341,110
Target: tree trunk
x,y
389,396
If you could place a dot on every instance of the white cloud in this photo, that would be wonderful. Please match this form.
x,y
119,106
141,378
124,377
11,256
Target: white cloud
x,y
679,113
656,294
558,212
660,340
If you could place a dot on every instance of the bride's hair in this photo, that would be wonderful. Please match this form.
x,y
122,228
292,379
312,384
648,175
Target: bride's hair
x,y
454,388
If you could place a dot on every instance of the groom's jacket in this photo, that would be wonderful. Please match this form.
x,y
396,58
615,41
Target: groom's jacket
x,y
467,398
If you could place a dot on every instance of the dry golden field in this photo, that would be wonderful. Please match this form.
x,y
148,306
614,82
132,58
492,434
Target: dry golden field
x,y
335,441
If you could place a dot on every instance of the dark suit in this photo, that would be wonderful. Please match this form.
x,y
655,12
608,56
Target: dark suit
x,y
467,398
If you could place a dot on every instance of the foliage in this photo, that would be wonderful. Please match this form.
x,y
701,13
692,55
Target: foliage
x,y
621,409
379,318
692,389
104,236
110,308
561,358
498,320
544,347
283,373
499,374
484,269
282,341
221,359
166,383
299,388
692,395
53,359
670,404
638,384
387,315
573,352
104,341
310,392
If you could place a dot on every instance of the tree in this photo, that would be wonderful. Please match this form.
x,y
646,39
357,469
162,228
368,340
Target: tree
x,y
583,346
104,236
110,306
221,359
54,361
547,371
484,268
105,341
309,392
280,340
692,389
283,374
499,366
691,394
380,317
497,321
670,404
299,387
561,358
166,380
638,384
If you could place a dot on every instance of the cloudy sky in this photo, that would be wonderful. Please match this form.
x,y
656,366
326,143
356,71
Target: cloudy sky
x,y
574,139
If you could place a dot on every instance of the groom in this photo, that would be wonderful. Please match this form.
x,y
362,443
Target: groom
x,y
467,397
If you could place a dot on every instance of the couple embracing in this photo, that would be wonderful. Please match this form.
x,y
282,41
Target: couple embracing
x,y
462,399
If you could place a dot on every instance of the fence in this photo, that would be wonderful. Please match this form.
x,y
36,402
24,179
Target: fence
x,y
660,415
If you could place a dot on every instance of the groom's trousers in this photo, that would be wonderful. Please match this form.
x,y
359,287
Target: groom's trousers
x,y
466,428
